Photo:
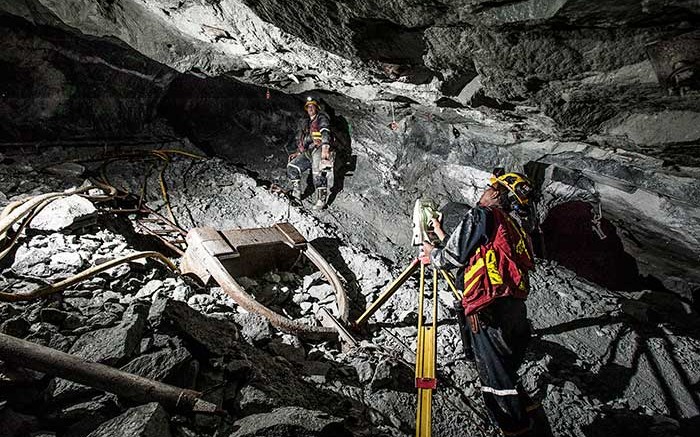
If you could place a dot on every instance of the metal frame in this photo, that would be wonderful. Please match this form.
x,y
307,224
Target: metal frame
x,y
221,255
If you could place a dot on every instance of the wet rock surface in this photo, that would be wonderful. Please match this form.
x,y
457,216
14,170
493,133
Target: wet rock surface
x,y
603,362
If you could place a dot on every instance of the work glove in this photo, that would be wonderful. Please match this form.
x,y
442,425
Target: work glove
x,y
325,151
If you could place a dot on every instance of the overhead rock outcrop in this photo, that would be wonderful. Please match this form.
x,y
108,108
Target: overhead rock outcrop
x,y
61,85
591,69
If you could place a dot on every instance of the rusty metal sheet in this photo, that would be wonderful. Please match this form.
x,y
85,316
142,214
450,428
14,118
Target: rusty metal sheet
x,y
260,250
250,237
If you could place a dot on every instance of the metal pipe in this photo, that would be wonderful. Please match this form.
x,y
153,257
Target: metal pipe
x,y
25,354
328,271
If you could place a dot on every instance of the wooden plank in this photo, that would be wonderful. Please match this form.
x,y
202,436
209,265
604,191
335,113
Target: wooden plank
x,y
251,237
211,241
292,236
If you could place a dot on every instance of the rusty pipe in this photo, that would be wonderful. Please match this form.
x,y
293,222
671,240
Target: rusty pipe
x,y
26,354
328,271
82,276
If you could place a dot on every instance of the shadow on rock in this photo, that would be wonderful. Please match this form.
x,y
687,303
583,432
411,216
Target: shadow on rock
x,y
609,383
625,423
345,162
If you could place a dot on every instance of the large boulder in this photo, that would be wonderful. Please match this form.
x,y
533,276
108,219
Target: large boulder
x,y
115,345
207,335
65,213
161,365
290,422
148,420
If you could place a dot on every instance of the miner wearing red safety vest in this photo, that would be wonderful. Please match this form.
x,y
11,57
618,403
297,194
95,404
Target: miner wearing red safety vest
x,y
313,153
493,255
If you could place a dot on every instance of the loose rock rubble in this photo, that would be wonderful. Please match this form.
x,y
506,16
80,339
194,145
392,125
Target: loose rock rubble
x,y
602,362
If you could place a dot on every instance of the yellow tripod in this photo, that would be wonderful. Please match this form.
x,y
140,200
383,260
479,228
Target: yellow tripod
x,y
426,380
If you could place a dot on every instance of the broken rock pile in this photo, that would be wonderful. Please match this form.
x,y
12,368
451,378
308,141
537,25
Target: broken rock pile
x,y
602,362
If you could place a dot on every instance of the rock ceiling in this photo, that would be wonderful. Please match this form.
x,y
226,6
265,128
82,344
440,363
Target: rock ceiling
x,y
587,67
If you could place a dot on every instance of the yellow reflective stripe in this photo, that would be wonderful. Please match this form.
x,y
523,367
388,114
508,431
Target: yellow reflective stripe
x,y
492,268
473,270
469,287
521,285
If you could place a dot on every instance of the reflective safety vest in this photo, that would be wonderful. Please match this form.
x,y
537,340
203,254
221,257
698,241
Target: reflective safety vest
x,y
500,267
315,132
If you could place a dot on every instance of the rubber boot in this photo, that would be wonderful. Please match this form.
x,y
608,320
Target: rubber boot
x,y
296,189
321,197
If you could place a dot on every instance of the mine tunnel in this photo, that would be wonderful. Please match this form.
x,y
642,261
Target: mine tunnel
x,y
569,237
269,218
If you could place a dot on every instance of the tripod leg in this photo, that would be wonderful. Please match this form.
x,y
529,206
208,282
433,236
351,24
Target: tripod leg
x,y
451,283
426,360
398,282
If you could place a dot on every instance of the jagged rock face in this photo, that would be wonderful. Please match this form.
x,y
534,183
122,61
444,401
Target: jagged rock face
x,y
57,85
587,68
603,362
567,91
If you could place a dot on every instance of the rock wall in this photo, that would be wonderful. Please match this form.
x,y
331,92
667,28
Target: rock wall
x,y
60,85
248,124
639,166
601,73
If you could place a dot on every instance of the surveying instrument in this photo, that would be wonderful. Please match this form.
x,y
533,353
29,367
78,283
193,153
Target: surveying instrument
x,y
423,214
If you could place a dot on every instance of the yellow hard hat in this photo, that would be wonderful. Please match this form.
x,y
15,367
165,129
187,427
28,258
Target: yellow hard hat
x,y
517,184
310,101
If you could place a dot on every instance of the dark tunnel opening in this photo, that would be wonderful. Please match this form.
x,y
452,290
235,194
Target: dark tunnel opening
x,y
398,50
570,240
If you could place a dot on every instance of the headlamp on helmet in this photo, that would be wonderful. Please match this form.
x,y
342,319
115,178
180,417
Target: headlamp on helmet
x,y
310,101
519,186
